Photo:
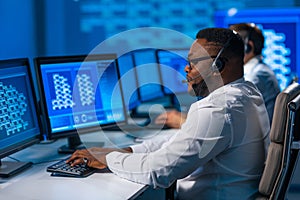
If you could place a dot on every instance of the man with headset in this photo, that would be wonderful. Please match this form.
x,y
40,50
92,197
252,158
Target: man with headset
x,y
219,152
255,70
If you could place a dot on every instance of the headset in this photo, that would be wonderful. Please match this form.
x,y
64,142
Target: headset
x,y
219,63
248,47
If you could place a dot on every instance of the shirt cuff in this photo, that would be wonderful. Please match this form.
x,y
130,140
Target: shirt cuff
x,y
138,148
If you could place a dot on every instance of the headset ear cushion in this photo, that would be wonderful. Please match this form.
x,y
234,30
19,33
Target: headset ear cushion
x,y
248,48
218,65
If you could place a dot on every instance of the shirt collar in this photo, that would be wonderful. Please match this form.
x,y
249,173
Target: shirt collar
x,y
240,80
251,64
221,89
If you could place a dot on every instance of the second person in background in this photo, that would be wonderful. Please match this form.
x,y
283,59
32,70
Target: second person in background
x,y
255,70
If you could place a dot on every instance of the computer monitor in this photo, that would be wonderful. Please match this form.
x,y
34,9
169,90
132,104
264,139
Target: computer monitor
x,y
281,28
172,63
79,94
19,127
129,81
148,75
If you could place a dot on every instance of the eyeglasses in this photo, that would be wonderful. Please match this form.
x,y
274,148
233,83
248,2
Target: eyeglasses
x,y
194,61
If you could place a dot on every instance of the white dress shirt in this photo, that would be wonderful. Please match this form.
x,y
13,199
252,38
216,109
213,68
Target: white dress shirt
x,y
218,153
265,80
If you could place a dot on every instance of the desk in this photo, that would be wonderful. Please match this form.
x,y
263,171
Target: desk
x,y
37,184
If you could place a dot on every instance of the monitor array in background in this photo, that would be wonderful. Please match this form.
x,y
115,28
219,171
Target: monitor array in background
x,y
81,93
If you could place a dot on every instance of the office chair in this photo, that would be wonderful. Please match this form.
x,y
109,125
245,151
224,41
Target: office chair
x,y
284,147
170,192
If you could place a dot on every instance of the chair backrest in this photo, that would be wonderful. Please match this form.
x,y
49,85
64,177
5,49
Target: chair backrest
x,y
293,144
282,152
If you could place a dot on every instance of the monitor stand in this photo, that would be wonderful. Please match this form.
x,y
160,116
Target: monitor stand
x,y
74,143
10,168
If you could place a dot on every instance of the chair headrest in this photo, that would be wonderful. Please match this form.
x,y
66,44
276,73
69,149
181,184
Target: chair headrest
x,y
281,111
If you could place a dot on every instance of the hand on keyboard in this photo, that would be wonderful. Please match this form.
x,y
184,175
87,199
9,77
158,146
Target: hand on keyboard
x,y
62,168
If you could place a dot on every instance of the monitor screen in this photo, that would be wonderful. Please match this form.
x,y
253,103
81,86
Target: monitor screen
x,y
129,82
281,28
79,93
172,63
18,114
149,80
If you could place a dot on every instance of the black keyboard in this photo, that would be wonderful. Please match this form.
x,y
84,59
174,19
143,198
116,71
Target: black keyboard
x,y
62,168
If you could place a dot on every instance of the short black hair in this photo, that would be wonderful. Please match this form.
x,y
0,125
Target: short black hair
x,y
221,37
254,34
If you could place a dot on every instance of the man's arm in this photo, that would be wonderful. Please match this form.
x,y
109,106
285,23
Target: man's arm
x,y
200,139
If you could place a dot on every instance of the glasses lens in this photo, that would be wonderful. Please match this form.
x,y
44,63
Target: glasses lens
x,y
195,61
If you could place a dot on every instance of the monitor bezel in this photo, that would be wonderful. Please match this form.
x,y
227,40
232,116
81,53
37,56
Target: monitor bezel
x,y
128,108
17,62
149,99
38,61
170,50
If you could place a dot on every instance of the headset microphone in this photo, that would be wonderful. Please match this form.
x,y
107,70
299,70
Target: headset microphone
x,y
184,81
189,80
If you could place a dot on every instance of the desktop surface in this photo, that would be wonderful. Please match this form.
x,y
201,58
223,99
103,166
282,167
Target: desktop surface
x,y
37,183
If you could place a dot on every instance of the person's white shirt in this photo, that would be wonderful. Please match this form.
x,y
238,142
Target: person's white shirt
x,y
218,153
265,80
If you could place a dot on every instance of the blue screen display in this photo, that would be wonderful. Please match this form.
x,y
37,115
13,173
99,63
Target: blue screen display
x,y
172,64
18,115
281,28
149,80
129,81
80,94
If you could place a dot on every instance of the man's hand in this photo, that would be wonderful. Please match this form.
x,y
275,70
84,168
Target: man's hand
x,y
93,157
